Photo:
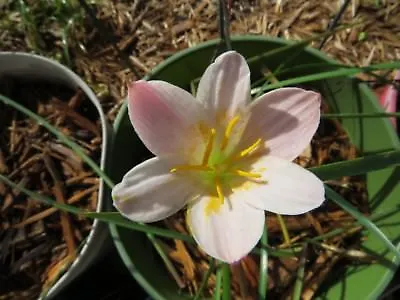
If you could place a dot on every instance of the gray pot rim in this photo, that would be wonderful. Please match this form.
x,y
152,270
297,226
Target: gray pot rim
x,y
19,63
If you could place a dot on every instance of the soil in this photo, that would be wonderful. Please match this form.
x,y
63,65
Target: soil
x,y
38,243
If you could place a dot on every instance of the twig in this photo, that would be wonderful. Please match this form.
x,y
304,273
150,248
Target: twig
x,y
223,26
58,190
334,22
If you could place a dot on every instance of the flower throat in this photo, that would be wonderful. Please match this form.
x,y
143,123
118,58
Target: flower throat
x,y
219,168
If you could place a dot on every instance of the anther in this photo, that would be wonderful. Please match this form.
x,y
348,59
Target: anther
x,y
251,148
247,174
228,131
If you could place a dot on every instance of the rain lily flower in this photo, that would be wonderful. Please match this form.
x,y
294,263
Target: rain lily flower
x,y
225,157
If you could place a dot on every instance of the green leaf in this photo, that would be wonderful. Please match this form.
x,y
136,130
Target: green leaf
x,y
109,217
330,74
298,285
205,279
360,115
331,194
358,166
276,252
296,46
63,138
165,258
263,279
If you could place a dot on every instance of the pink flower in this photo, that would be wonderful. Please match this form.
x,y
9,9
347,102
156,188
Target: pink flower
x,y
223,156
388,98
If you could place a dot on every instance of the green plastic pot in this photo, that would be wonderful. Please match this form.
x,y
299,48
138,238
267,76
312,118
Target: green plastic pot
x,y
344,95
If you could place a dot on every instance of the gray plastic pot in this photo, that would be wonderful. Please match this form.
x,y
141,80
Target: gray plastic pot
x,y
29,66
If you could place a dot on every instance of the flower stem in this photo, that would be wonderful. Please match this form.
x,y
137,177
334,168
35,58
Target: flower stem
x,y
285,232
226,287
218,283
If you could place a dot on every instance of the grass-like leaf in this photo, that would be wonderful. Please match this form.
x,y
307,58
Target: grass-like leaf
x,y
62,137
109,217
206,277
331,74
276,252
358,166
296,46
360,115
368,224
298,285
263,279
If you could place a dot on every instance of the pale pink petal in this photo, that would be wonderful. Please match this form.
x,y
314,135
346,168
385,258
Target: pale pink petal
x,y
288,188
225,86
228,233
149,192
165,117
286,119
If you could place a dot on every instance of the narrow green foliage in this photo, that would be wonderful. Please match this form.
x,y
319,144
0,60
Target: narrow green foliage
x,y
330,74
32,32
298,286
284,229
63,138
205,279
109,217
165,258
361,165
360,115
277,252
294,47
335,197
263,279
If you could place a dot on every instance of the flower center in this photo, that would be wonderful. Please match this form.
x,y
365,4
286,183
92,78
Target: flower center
x,y
220,167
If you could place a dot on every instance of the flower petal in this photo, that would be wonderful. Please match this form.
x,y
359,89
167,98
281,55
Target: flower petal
x,y
228,233
286,119
149,192
225,86
289,188
165,117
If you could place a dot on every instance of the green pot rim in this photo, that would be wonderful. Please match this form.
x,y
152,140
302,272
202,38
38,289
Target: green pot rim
x,y
187,52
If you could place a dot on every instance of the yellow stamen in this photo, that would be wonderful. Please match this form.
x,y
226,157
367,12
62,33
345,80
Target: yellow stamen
x,y
219,191
209,148
251,148
247,174
228,131
190,168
